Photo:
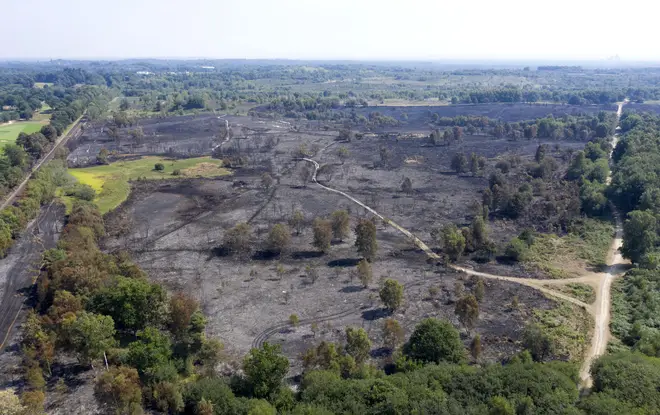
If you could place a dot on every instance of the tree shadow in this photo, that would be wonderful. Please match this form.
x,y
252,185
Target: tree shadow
x,y
351,289
306,254
381,352
265,255
344,262
376,314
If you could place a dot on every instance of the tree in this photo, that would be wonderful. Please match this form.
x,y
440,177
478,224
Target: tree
x,y
406,186
475,347
479,231
119,389
132,303
517,250
435,341
297,221
341,224
393,334
365,272
152,349
102,157
479,290
500,406
204,407
343,154
391,294
267,181
89,335
279,239
453,241
159,167
459,163
358,344
457,133
467,310
124,104
640,234
322,234
265,368
181,311
474,164
365,239
541,150
37,342
238,240
538,342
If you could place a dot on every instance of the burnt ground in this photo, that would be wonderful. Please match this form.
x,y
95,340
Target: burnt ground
x,y
178,227
633,106
175,229
17,272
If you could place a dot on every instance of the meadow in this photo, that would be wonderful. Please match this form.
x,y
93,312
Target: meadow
x,y
111,181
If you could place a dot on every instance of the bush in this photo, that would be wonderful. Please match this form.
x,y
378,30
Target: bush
x,y
176,172
159,167
517,250
81,191
435,341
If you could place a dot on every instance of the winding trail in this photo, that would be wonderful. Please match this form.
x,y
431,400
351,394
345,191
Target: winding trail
x,y
601,282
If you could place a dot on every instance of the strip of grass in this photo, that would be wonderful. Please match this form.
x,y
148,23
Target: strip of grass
x,y
586,245
579,291
569,326
111,181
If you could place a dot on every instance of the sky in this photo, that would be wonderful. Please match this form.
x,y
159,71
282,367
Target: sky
x,y
331,29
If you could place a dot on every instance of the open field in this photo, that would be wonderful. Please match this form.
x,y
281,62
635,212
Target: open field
x,y
111,182
9,132
40,85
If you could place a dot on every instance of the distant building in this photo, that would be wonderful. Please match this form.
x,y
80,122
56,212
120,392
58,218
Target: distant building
x,y
8,108
207,67
144,73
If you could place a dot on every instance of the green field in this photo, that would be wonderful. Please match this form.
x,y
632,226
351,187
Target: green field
x,y
9,132
40,85
111,181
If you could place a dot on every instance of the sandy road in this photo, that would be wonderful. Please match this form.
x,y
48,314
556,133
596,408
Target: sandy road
x,y
600,310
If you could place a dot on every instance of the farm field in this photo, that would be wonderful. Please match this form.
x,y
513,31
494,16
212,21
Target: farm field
x,y
111,182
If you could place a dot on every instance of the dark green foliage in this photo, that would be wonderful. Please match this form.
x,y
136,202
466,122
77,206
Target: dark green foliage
x,y
630,378
365,239
132,303
150,351
435,341
265,368
159,167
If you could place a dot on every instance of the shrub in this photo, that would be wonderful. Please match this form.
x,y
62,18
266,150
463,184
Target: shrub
x,y
159,167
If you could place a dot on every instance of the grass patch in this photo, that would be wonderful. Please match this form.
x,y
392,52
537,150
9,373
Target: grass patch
x,y
586,245
569,326
111,182
40,85
577,290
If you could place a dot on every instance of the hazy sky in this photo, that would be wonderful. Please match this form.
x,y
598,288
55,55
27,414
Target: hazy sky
x,y
330,29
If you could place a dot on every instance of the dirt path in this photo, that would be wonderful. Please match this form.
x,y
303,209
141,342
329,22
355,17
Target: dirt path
x,y
600,310
74,131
